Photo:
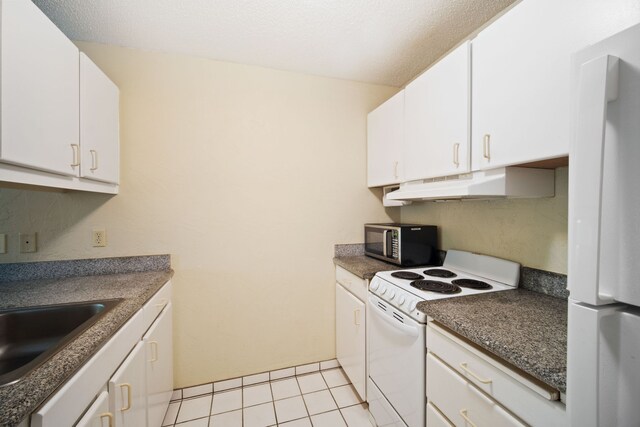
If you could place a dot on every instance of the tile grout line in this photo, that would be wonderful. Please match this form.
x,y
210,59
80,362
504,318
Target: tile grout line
x,y
334,400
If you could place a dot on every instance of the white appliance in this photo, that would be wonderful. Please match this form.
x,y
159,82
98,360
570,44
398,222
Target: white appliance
x,y
603,369
494,183
397,342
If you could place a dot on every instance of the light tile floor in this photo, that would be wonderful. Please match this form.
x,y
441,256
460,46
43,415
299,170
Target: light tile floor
x,y
312,395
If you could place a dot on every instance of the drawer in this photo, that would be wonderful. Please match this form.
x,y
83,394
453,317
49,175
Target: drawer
x,y
435,417
460,401
528,398
352,283
156,304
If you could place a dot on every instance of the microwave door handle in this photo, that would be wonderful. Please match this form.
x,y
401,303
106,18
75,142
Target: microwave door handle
x,y
384,242
597,86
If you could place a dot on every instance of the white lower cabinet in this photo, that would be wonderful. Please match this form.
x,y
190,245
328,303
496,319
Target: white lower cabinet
x,y
465,382
350,338
461,402
351,328
158,343
131,375
128,390
98,414
435,417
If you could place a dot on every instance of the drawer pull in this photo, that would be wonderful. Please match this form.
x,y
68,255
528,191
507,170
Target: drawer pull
x,y
463,413
107,415
128,387
76,155
456,154
162,303
94,159
463,366
154,351
486,147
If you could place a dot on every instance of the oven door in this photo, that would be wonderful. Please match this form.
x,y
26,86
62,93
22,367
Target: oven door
x,y
396,360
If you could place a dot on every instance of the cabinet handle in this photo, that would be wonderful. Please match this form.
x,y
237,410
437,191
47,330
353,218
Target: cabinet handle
x,y
76,157
154,351
162,303
107,415
463,366
486,146
463,412
128,387
456,154
94,159
395,169
356,317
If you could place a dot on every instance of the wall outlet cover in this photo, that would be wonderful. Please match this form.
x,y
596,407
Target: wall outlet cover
x,y
28,242
3,243
99,237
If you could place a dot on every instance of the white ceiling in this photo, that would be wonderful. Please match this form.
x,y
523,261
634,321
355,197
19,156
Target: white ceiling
x,y
377,41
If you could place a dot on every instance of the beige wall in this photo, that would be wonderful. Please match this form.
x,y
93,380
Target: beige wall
x,y
247,177
532,232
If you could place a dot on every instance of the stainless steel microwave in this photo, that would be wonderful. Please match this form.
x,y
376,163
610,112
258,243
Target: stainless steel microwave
x,y
403,244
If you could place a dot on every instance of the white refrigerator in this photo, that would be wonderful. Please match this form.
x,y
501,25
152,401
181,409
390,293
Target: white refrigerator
x,y
603,367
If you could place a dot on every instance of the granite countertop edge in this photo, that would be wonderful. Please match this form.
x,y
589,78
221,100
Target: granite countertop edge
x,y
511,344
363,266
19,400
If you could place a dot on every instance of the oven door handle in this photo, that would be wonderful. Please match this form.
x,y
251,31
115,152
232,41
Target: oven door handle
x,y
405,329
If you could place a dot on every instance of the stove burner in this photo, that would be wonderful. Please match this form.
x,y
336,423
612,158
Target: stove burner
x,y
406,275
440,272
435,286
472,284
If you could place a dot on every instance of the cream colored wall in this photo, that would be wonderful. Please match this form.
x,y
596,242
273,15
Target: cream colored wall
x,y
247,177
532,232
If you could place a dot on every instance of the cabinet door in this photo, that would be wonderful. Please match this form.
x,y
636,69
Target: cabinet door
x,y
127,390
98,414
158,342
350,338
99,124
521,71
385,133
40,91
437,128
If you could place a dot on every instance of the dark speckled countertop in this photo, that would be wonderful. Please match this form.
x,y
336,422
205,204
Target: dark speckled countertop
x,y
527,329
18,400
363,266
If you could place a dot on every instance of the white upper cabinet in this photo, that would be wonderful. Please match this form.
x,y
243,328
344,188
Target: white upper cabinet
x,y
437,119
40,91
99,124
385,134
521,70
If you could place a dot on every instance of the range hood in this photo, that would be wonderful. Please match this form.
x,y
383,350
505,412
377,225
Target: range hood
x,y
487,184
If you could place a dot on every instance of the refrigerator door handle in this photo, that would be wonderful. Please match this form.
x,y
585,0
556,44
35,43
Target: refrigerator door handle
x,y
597,86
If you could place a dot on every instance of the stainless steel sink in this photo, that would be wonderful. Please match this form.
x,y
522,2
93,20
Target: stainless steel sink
x,y
29,336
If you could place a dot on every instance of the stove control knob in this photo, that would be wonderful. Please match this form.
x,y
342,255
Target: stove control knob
x,y
412,305
392,294
401,299
375,285
383,290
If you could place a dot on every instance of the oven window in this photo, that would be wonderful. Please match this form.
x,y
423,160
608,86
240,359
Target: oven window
x,y
373,240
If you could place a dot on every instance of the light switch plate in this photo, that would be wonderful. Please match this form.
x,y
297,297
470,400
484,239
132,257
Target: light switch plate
x,y
28,242
3,243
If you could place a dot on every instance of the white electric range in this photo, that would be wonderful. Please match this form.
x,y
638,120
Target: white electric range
x,y
396,384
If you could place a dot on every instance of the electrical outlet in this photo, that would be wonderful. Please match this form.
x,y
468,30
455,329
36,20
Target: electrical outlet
x,y
3,243
99,237
28,242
